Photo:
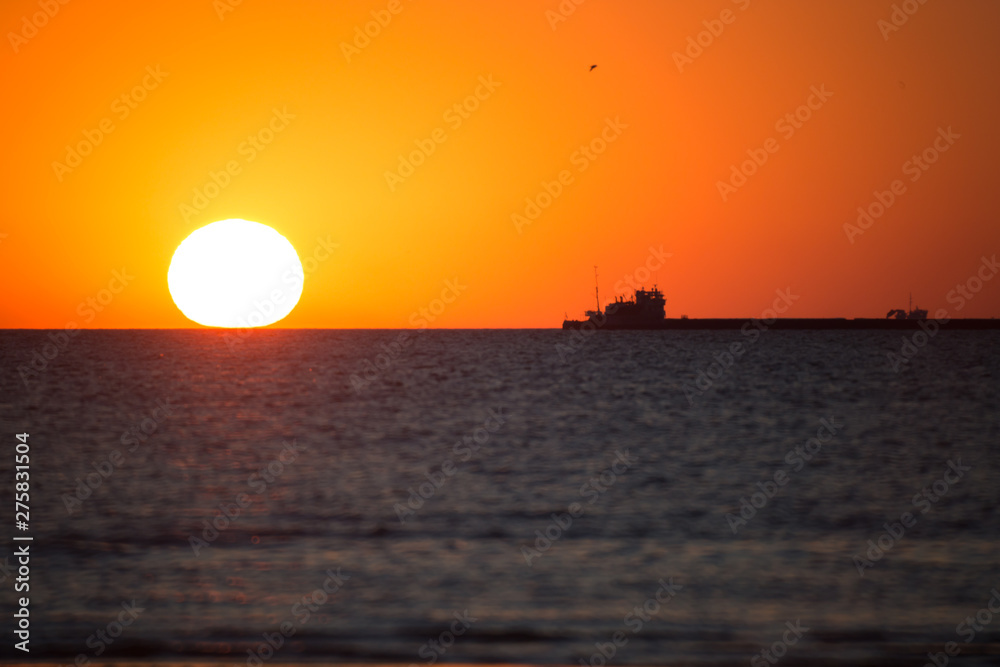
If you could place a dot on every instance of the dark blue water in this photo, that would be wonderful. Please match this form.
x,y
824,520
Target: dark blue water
x,y
572,481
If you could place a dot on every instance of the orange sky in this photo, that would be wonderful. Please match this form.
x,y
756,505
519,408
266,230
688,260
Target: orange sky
x,y
346,116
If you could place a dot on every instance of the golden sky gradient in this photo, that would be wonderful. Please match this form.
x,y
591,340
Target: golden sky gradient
x,y
309,116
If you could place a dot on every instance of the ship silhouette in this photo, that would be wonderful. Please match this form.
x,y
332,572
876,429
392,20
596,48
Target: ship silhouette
x,y
646,310
914,314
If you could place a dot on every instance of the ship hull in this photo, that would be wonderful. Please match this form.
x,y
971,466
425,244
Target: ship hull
x,y
809,324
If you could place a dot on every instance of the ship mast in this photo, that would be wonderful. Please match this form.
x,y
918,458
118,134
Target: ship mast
x,y
597,294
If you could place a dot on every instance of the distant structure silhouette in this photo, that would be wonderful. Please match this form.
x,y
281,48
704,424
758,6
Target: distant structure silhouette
x,y
646,310
917,313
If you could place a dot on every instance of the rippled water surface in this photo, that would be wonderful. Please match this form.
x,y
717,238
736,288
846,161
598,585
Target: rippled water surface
x,y
628,431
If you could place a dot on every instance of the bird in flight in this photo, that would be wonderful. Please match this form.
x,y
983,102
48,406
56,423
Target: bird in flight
x,y
592,67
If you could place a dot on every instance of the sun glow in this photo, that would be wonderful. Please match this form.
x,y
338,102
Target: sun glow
x,y
235,273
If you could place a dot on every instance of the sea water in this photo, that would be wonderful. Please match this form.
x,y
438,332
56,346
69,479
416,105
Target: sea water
x,y
523,496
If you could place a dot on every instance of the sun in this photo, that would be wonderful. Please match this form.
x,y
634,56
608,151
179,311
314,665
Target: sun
x,y
235,273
